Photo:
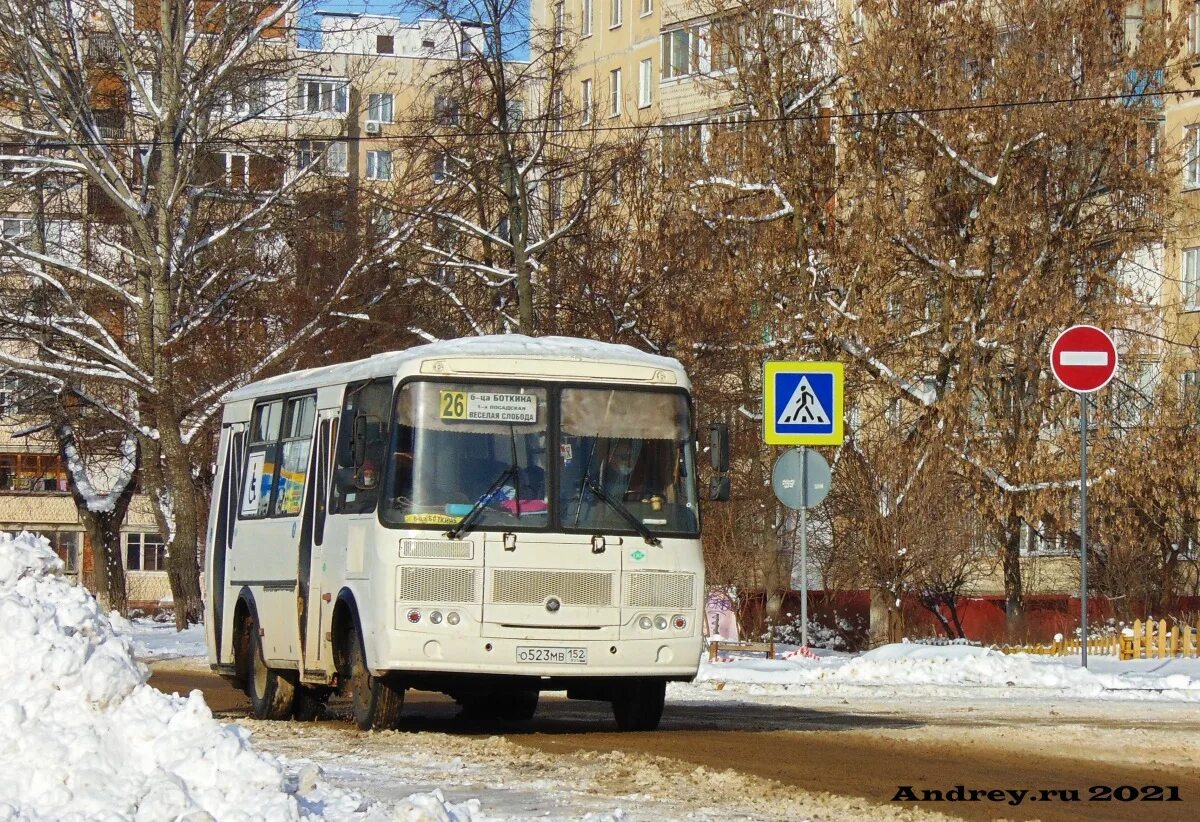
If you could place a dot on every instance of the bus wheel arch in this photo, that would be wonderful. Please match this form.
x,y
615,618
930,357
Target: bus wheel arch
x,y
243,613
344,623
375,701
271,691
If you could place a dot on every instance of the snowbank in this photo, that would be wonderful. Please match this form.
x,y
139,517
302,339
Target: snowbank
x,y
957,666
83,736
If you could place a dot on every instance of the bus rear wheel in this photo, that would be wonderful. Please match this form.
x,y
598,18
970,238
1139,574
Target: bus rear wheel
x,y
271,692
638,706
375,702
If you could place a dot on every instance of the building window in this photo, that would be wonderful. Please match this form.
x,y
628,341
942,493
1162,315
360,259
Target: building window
x,y
647,7
614,93
465,45
585,101
440,168
330,156
1194,29
319,94
680,53
556,110
145,552
237,170
586,26
558,23
380,107
645,73
379,165
446,111
1190,385
66,545
10,392
1191,278
32,473
616,10
1191,165
385,44
15,228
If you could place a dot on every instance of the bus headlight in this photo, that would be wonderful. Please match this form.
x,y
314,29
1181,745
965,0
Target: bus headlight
x,y
645,623
660,622
436,617
453,618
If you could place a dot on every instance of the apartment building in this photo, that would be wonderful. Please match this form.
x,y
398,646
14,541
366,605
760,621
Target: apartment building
x,y
333,112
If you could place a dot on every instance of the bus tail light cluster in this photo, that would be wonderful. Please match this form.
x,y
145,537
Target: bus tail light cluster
x,y
679,622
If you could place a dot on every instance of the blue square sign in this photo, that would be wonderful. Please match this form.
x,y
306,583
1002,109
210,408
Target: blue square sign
x,y
802,403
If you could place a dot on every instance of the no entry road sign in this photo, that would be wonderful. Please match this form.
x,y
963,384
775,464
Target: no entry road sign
x,y
1083,359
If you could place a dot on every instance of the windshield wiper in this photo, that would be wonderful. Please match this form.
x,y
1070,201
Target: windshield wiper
x,y
468,521
625,513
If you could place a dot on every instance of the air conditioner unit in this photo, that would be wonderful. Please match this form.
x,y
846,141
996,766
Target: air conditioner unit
x,y
373,127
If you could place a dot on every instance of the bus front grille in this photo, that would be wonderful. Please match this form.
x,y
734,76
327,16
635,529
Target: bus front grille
x,y
419,584
651,590
518,586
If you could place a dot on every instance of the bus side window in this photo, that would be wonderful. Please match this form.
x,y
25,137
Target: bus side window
x,y
258,479
361,443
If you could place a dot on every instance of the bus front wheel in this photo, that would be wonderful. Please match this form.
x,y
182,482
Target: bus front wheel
x,y
270,692
375,702
638,706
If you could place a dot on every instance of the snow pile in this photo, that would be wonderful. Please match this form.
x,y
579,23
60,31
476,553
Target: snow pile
x,y
83,736
956,666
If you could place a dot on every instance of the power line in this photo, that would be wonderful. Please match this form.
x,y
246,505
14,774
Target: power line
x,y
598,129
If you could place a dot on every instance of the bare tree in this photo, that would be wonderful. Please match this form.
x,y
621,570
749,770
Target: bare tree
x,y
521,170
159,124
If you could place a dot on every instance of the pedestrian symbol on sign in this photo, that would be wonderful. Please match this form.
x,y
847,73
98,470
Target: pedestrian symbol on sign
x,y
803,408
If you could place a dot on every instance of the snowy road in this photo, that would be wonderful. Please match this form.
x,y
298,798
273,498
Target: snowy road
x,y
724,754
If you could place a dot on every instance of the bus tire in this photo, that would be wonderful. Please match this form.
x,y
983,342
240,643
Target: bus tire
x,y
271,692
638,706
375,702
310,703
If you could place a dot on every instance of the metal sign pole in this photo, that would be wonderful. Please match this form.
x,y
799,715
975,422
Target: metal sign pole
x,y
1083,560
804,546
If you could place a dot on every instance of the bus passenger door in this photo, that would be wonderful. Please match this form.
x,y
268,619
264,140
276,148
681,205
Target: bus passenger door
x,y
311,608
223,530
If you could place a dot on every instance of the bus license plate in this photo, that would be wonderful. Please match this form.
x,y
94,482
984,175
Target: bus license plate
x,y
552,654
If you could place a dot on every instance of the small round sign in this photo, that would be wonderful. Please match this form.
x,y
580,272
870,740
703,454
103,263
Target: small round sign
x,y
797,488
1083,359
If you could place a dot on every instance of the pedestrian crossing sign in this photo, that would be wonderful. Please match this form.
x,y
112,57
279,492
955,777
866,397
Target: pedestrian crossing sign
x,y
802,403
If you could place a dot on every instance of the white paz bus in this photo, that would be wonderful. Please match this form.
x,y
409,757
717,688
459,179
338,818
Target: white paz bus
x,y
489,517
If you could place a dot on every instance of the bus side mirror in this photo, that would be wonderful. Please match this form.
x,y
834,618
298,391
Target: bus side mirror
x,y
718,447
718,488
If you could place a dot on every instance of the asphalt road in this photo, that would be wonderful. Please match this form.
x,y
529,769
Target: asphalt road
x,y
837,751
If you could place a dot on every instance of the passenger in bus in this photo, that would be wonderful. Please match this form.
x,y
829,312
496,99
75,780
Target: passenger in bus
x,y
617,471
403,462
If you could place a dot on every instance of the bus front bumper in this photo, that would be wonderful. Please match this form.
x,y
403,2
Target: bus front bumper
x,y
668,658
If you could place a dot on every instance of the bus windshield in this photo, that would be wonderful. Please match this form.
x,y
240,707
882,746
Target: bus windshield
x,y
456,444
625,455
625,462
